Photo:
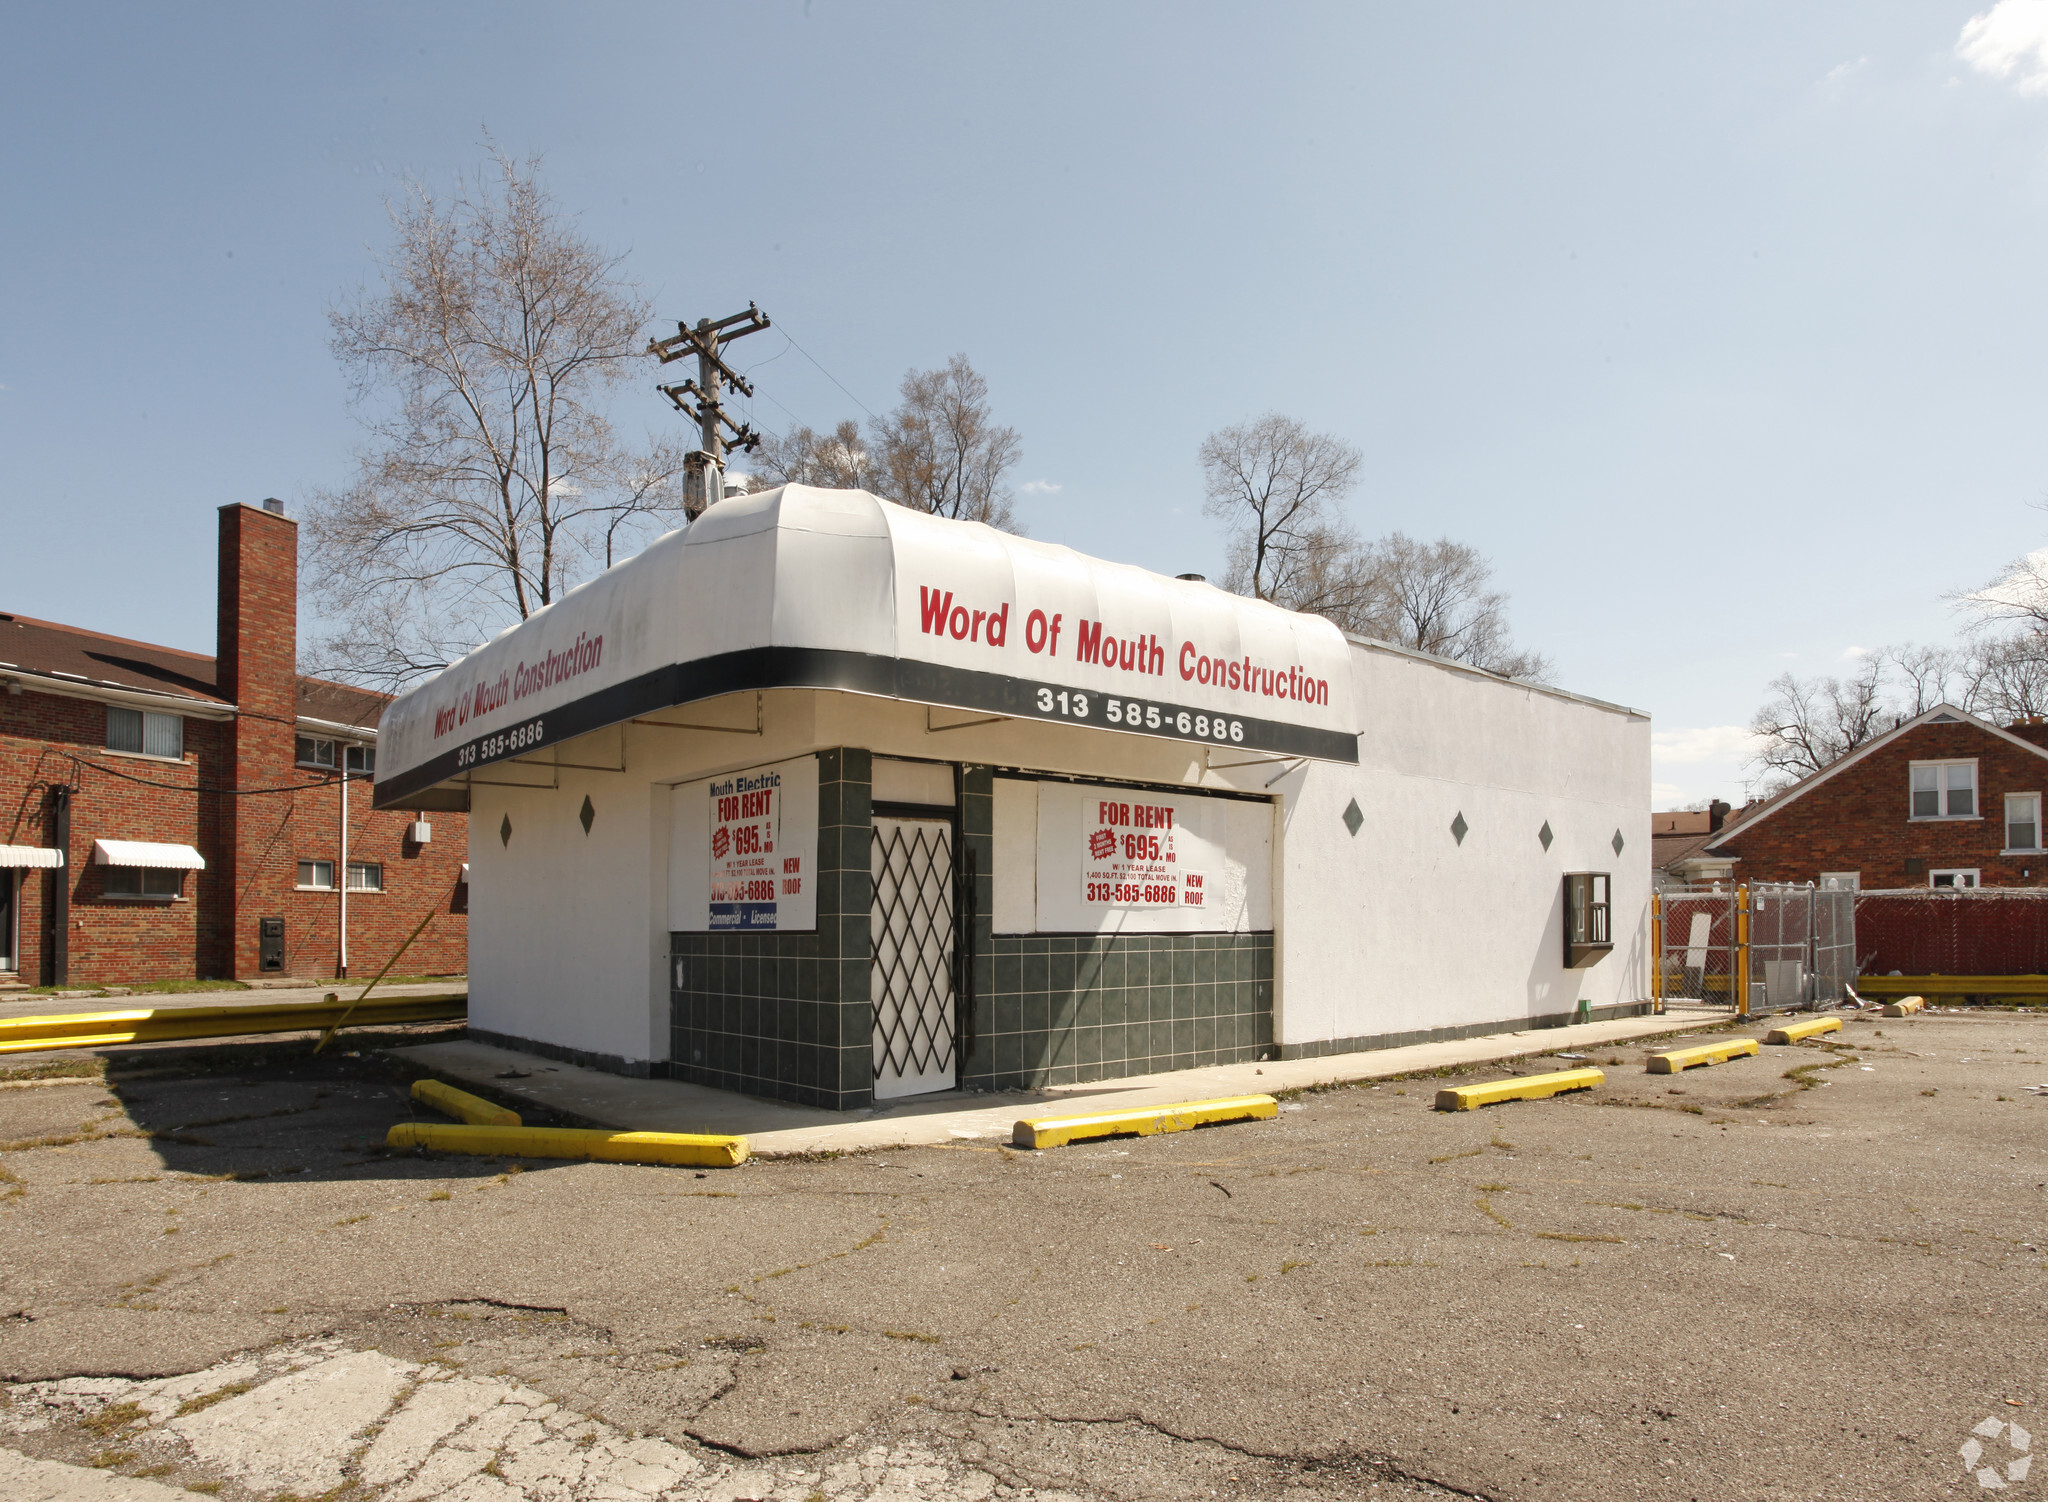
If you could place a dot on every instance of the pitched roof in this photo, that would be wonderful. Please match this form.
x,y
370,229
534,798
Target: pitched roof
x,y
1941,714
1666,848
104,661
96,660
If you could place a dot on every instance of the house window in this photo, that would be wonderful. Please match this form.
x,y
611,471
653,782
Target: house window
x,y
365,877
142,732
1841,881
1944,790
143,881
362,761
2023,821
315,753
316,876
1960,880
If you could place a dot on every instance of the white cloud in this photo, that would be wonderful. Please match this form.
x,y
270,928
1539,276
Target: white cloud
x,y
2010,38
2018,590
1723,743
1853,653
1040,487
1838,76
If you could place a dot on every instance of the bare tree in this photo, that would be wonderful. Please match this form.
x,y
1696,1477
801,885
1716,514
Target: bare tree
x,y
1810,723
1931,675
1439,597
492,478
839,460
1276,486
2008,679
941,451
2017,597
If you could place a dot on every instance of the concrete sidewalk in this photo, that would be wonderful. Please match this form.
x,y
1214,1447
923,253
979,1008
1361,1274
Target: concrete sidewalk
x,y
774,1128
77,1002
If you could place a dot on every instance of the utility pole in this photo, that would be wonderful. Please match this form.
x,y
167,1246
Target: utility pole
x,y
699,400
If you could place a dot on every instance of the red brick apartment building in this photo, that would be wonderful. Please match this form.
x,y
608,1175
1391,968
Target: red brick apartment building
x,y
165,815
1943,800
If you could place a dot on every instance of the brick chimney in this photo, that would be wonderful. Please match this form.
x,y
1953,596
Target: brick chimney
x,y
257,670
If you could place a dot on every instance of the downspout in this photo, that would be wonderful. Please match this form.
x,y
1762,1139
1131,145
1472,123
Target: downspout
x,y
57,930
341,874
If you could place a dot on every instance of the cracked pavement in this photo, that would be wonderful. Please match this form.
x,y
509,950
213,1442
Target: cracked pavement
x,y
1728,1283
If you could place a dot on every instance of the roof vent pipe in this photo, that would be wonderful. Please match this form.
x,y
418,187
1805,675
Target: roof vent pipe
x,y
273,505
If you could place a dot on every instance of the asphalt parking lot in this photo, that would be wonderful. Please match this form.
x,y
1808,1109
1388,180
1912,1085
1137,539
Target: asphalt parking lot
x,y
1809,1274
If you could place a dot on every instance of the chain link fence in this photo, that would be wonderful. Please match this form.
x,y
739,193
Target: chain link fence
x,y
1797,946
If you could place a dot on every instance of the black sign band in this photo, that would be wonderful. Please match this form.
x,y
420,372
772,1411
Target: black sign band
x,y
882,677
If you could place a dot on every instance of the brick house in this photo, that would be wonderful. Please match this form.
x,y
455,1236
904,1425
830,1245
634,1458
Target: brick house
x,y
162,811
1943,800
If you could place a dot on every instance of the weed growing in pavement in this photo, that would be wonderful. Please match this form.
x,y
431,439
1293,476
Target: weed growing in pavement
x,y
106,1460
440,1194
111,1419
207,1400
1575,1236
1485,1207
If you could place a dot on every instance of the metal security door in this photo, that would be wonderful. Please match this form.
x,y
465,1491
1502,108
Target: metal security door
x,y
912,925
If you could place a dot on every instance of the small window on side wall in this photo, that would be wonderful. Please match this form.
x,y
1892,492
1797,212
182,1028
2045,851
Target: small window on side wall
x,y
313,752
316,876
141,881
1944,789
143,732
1588,931
365,877
1953,880
2023,821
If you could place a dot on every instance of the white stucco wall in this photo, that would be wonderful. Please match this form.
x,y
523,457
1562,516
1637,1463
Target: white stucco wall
x,y
1401,928
1397,929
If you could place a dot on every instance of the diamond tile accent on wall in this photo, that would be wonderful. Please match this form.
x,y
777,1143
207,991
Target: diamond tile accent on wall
x,y
588,814
1618,842
1459,827
1545,835
505,831
1353,817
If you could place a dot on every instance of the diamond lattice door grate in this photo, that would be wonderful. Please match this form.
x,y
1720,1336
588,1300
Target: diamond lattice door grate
x,y
912,980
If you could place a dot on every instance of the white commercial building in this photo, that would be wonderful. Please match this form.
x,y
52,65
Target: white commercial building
x,y
825,799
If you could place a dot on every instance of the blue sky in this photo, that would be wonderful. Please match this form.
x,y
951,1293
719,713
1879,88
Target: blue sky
x,y
1716,326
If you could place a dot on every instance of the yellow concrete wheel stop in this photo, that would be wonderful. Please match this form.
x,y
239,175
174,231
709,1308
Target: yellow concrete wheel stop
x,y
463,1106
1142,1121
1678,1060
1529,1087
680,1149
1906,1006
1813,1027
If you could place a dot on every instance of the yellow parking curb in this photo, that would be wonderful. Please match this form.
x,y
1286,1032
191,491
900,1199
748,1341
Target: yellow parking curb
x,y
1813,1027
463,1106
1677,1060
1529,1087
1145,1121
178,1024
683,1149
1905,1006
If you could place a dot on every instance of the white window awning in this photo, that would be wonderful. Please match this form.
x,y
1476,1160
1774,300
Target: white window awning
x,y
30,857
465,870
148,854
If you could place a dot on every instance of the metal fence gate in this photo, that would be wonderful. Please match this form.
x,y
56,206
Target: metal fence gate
x,y
1786,945
912,979
1802,945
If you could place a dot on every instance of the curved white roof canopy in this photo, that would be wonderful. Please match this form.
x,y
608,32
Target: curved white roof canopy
x,y
838,589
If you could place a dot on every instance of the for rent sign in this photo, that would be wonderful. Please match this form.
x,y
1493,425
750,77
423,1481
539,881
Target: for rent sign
x,y
1126,860
752,871
1133,859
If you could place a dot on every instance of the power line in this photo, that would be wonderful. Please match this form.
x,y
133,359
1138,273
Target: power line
x,y
830,377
